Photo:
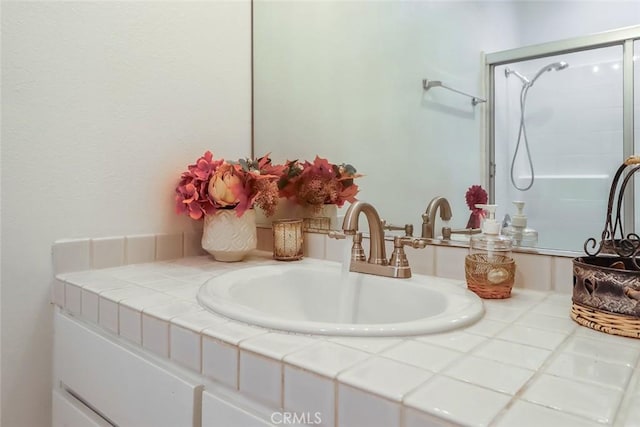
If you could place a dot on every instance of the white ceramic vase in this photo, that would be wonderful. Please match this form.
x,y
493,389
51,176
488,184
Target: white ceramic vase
x,y
227,237
322,219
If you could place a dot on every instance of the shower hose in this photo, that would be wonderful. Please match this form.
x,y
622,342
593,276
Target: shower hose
x,y
522,138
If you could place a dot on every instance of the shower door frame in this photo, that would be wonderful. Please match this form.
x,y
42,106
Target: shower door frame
x,y
624,37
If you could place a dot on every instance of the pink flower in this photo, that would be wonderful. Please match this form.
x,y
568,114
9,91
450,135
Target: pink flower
x,y
318,183
191,192
210,184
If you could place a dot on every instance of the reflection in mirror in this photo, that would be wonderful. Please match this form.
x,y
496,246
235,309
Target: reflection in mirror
x,y
344,80
636,120
562,153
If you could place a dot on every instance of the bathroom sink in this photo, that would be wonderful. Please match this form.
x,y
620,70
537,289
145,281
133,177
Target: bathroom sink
x,y
317,297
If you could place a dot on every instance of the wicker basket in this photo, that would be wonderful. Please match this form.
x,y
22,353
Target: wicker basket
x,y
490,278
606,295
611,323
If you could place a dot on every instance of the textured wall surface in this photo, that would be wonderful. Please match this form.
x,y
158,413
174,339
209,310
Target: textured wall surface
x,y
103,105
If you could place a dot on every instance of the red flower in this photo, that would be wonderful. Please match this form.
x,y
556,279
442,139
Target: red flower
x,y
476,196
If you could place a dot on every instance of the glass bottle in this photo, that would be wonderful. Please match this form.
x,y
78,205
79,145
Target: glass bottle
x,y
489,267
518,231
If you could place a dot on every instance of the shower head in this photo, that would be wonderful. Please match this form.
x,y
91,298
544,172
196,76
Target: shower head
x,y
508,71
554,66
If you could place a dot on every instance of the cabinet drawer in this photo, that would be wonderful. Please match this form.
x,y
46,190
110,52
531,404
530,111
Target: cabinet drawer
x,y
67,411
218,412
126,388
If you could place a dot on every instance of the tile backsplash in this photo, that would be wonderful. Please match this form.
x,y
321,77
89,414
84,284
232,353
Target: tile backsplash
x,y
534,271
104,252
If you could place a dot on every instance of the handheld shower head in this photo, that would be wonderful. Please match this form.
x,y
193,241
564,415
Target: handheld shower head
x,y
554,66
522,133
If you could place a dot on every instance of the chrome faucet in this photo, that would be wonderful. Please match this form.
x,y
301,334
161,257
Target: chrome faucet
x,y
376,263
429,217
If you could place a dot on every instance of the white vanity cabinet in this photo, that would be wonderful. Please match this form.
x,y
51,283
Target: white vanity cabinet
x,y
119,383
100,380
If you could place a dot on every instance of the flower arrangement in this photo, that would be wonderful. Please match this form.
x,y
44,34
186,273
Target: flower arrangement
x,y
318,183
210,184
475,195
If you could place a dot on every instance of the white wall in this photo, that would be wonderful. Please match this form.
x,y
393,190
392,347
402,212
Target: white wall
x,y
544,21
103,105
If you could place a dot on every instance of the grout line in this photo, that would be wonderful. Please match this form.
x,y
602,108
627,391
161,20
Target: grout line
x,y
336,403
537,374
237,368
281,367
91,255
627,396
125,250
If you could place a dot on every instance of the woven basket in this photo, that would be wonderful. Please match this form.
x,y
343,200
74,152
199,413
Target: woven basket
x,y
606,295
610,323
490,278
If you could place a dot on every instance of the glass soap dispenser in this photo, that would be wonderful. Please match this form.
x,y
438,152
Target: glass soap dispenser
x,y
489,268
518,231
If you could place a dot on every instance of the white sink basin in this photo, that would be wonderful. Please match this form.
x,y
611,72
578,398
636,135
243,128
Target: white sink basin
x,y
311,297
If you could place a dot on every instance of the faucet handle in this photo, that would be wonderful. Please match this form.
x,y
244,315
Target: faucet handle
x,y
399,242
335,234
447,232
399,259
407,228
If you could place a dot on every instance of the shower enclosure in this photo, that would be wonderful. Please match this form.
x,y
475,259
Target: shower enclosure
x,y
560,121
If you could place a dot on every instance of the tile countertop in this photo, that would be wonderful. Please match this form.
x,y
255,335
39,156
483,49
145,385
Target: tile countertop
x,y
526,363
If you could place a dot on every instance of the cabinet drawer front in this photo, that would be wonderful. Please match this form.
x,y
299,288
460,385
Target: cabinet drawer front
x,y
217,412
120,384
67,411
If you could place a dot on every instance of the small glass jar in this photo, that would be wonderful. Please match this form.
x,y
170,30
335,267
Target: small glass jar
x,y
490,245
287,239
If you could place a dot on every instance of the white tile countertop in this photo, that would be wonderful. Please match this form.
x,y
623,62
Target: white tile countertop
x,y
526,363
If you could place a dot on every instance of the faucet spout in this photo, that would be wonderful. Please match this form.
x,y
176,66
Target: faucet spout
x,y
377,253
429,217
397,267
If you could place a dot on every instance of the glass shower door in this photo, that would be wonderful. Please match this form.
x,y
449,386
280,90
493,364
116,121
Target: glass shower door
x,y
571,129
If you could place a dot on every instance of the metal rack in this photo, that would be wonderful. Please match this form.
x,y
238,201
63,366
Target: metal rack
x,y
428,84
613,240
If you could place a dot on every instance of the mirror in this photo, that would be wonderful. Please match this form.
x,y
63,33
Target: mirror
x,y
344,80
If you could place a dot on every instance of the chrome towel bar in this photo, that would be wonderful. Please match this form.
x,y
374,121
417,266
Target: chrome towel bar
x,y
428,84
